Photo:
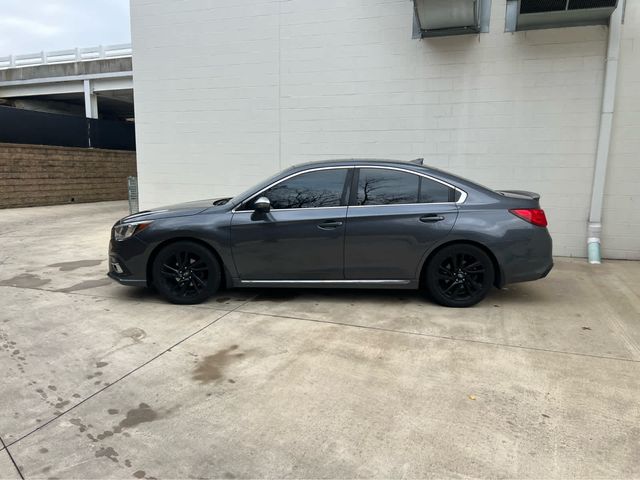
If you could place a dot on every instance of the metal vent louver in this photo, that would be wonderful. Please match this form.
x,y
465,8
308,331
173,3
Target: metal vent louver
x,y
450,17
532,14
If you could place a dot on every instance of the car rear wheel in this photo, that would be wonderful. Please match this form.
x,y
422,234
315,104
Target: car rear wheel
x,y
459,275
186,273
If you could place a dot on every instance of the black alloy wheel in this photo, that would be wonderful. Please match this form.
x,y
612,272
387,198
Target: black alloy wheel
x,y
459,275
186,273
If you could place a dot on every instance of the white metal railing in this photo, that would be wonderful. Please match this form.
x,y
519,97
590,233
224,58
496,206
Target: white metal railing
x,y
71,55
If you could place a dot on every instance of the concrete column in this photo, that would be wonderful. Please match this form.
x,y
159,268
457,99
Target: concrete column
x,y
90,100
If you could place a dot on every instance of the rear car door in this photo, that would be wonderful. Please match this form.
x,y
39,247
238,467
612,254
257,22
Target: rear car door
x,y
302,236
395,216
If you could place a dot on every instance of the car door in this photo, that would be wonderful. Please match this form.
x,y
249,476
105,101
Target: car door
x,y
302,236
395,216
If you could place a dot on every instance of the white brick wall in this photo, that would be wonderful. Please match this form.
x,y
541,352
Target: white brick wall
x,y
229,91
621,214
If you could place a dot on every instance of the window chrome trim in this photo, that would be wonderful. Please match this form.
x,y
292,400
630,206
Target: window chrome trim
x,y
463,194
295,174
346,282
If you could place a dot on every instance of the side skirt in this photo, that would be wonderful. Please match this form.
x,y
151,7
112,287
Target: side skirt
x,y
400,284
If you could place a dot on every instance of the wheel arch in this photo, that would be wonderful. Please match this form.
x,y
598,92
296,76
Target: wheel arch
x,y
499,274
224,281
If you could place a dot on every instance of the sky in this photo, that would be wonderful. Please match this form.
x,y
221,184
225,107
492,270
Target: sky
x,y
28,26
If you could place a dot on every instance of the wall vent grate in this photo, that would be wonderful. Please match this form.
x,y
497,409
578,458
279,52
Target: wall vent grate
x,y
539,6
580,4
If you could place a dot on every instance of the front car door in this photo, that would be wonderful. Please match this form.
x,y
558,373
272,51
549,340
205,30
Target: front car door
x,y
302,236
395,216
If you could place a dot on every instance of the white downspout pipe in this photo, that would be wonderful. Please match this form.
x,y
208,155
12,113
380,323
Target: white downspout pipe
x,y
594,227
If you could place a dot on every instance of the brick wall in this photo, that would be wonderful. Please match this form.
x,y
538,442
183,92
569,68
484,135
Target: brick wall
x,y
33,175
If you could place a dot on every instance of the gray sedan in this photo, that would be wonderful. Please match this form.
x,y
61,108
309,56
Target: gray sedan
x,y
340,223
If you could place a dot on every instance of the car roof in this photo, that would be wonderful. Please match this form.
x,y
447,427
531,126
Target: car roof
x,y
415,166
355,161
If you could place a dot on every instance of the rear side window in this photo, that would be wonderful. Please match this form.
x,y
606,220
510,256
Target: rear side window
x,y
377,186
322,188
435,192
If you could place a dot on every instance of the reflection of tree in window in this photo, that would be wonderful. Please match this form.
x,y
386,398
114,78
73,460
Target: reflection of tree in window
x,y
386,187
310,190
284,196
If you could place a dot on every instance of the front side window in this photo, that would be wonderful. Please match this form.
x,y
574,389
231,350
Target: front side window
x,y
322,188
377,186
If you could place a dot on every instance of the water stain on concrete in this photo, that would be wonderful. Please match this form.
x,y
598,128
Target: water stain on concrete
x,y
222,299
134,333
85,285
140,474
143,414
43,450
101,364
25,280
78,423
107,452
68,266
113,411
210,368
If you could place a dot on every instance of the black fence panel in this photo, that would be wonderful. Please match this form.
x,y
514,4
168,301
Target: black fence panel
x,y
112,134
39,128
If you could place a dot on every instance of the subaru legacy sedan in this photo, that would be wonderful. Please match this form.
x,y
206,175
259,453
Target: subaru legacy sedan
x,y
340,223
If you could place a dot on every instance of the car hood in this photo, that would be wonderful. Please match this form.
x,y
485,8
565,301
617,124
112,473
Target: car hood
x,y
177,210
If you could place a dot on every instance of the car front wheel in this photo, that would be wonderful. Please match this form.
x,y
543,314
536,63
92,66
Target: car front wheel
x,y
459,275
186,273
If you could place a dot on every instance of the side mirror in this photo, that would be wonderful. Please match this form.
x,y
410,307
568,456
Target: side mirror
x,y
262,205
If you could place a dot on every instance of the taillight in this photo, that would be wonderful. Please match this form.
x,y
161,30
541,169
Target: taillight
x,y
534,216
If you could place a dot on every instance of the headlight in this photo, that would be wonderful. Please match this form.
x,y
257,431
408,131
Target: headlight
x,y
126,230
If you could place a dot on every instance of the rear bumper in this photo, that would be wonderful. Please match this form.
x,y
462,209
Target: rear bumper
x,y
529,259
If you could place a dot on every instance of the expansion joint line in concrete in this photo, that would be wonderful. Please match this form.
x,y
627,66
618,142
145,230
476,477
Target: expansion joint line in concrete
x,y
443,337
123,377
5,448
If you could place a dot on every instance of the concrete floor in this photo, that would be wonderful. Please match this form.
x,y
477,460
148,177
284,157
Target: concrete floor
x,y
100,380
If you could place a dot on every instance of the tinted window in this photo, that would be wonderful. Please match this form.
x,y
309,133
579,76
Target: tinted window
x,y
322,188
434,192
386,187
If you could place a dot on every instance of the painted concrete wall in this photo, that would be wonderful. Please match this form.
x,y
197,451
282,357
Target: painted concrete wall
x,y
621,210
229,91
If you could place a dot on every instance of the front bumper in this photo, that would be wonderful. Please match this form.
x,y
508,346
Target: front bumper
x,y
128,262
126,281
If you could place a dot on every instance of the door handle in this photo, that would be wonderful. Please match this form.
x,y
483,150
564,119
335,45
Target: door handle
x,y
329,224
431,217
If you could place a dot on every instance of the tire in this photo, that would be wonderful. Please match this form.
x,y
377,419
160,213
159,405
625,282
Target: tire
x,y
459,275
186,273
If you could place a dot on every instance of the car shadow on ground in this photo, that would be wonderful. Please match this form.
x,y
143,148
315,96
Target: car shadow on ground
x,y
518,294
